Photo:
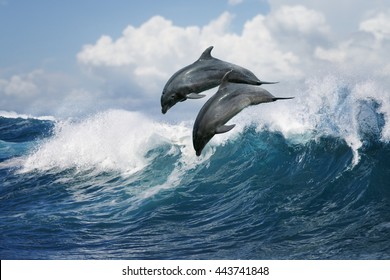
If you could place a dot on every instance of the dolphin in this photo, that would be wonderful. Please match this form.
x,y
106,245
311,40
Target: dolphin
x,y
230,99
205,73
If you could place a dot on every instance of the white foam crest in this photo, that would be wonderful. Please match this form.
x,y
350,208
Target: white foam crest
x,y
111,140
369,90
336,108
14,115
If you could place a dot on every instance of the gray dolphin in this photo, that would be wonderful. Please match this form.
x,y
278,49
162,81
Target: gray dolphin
x,y
227,102
205,73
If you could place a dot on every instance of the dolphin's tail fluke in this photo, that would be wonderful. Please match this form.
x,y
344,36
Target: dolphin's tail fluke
x,y
281,98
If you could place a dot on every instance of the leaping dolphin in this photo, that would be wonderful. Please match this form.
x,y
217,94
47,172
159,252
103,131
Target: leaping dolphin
x,y
227,102
205,73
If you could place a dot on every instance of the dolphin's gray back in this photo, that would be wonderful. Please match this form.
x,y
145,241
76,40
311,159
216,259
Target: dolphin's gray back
x,y
204,75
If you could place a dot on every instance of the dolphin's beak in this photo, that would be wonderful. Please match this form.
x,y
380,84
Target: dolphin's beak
x,y
164,109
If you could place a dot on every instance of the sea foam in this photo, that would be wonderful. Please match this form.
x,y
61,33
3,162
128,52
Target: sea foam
x,y
110,140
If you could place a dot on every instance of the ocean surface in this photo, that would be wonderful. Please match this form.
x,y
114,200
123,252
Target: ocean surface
x,y
307,178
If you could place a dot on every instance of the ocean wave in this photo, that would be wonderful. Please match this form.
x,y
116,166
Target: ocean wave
x,y
258,195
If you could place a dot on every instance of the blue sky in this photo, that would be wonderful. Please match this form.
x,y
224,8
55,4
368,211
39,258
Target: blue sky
x,y
67,58
41,32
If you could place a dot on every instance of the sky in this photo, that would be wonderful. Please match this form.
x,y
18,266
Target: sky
x,y
72,58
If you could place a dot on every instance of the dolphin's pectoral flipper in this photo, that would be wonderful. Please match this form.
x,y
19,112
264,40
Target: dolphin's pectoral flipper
x,y
195,96
224,128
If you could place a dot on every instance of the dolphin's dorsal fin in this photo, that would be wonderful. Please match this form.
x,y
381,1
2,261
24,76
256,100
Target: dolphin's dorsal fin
x,y
224,128
225,79
206,54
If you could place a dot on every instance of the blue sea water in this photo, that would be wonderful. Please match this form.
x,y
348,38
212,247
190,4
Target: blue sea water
x,y
309,182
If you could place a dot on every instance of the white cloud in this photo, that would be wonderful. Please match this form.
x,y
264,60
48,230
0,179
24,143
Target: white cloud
x,y
149,44
299,19
366,51
18,86
378,25
39,92
343,16
337,55
144,55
